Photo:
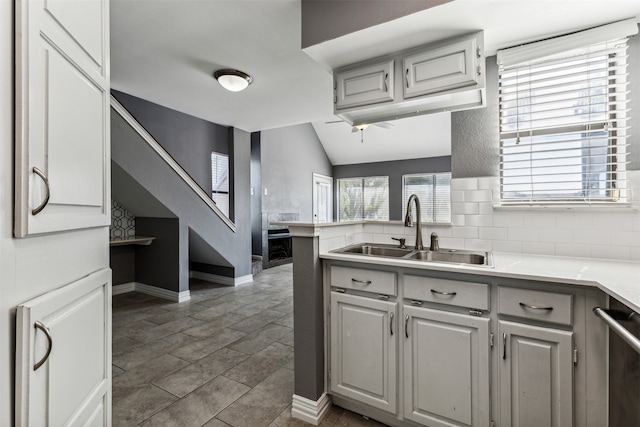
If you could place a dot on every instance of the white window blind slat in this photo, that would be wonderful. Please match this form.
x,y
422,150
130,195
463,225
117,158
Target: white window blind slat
x,y
563,124
434,193
220,181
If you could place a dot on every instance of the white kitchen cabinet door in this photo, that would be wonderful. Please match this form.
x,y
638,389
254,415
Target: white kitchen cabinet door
x,y
446,368
72,385
62,115
442,69
536,376
366,85
363,350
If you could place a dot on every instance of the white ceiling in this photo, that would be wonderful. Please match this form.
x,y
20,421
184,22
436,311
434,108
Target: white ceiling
x,y
166,51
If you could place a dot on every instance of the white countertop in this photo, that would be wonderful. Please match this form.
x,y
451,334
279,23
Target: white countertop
x,y
619,279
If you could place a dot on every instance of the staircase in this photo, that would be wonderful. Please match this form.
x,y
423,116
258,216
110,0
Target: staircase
x,y
147,180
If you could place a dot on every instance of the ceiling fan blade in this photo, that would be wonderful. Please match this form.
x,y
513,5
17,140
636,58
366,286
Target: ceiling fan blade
x,y
335,121
384,125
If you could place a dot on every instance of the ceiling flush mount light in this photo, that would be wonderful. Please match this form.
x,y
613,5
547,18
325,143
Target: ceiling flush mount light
x,y
233,80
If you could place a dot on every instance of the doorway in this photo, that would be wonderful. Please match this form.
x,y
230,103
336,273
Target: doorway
x,y
322,198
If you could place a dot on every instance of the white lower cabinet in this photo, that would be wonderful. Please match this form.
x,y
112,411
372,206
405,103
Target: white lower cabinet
x,y
464,353
446,368
536,376
364,349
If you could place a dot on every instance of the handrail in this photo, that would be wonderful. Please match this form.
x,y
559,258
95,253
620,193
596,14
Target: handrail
x,y
609,317
119,108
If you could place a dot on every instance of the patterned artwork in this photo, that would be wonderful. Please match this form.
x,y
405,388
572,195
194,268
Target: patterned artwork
x,y
123,223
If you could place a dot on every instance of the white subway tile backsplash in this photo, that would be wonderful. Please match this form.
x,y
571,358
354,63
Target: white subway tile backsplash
x,y
476,225
493,233
477,196
464,208
479,220
464,184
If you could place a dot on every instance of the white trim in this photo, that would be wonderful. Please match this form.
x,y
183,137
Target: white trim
x,y
123,288
151,290
170,161
310,411
221,280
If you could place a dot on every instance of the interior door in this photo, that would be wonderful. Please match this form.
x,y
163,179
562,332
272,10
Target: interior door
x,y
62,115
63,357
322,198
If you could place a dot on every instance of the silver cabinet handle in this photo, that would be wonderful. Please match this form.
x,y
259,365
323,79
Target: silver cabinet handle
x,y
364,282
535,307
40,325
391,323
406,75
504,346
42,175
386,77
406,326
451,294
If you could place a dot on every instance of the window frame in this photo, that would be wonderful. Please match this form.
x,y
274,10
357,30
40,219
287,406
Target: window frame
x,y
224,208
427,205
361,217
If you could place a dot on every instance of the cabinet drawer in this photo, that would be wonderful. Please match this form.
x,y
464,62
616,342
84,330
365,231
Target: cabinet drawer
x,y
380,282
364,86
539,305
451,292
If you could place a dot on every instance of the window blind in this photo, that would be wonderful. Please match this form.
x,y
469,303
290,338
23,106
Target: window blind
x,y
434,193
220,181
363,198
563,126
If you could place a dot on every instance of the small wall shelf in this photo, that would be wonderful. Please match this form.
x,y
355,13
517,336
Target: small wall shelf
x,y
137,240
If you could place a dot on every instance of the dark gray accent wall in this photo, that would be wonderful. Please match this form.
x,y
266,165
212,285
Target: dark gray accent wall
x,y
394,170
122,260
188,139
308,317
159,263
475,134
256,195
328,19
290,156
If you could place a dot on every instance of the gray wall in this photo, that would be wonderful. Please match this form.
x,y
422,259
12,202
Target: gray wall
x,y
328,19
159,263
394,170
256,197
122,260
188,139
475,134
290,156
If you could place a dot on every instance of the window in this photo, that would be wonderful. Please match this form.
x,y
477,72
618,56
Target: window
x,y
363,198
434,193
563,122
220,181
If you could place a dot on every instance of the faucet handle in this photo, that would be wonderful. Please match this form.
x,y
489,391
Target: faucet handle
x,y
401,240
434,247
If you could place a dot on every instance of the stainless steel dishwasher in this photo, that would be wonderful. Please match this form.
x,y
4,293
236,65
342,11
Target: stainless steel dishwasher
x,y
624,363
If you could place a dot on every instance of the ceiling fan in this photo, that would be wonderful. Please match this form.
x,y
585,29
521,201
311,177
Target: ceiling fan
x,y
362,127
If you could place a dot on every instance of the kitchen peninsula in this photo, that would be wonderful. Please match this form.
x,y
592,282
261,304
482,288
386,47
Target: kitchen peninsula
x,y
524,326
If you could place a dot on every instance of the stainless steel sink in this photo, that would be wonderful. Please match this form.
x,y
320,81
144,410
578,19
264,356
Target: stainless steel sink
x,y
450,256
376,250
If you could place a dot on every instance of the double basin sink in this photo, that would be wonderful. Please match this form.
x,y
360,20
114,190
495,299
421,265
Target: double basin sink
x,y
449,256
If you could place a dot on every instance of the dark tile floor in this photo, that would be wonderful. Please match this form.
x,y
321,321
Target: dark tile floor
x,y
224,358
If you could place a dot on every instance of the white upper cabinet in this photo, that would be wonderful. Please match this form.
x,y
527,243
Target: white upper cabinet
x,y
438,70
62,115
443,76
364,85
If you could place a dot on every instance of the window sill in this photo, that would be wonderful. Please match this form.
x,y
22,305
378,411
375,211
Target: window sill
x,y
619,207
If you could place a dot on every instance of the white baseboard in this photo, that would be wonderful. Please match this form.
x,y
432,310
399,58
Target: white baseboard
x,y
123,288
310,411
151,290
222,280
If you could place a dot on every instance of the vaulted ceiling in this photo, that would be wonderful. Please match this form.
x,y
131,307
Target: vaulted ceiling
x,y
166,51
